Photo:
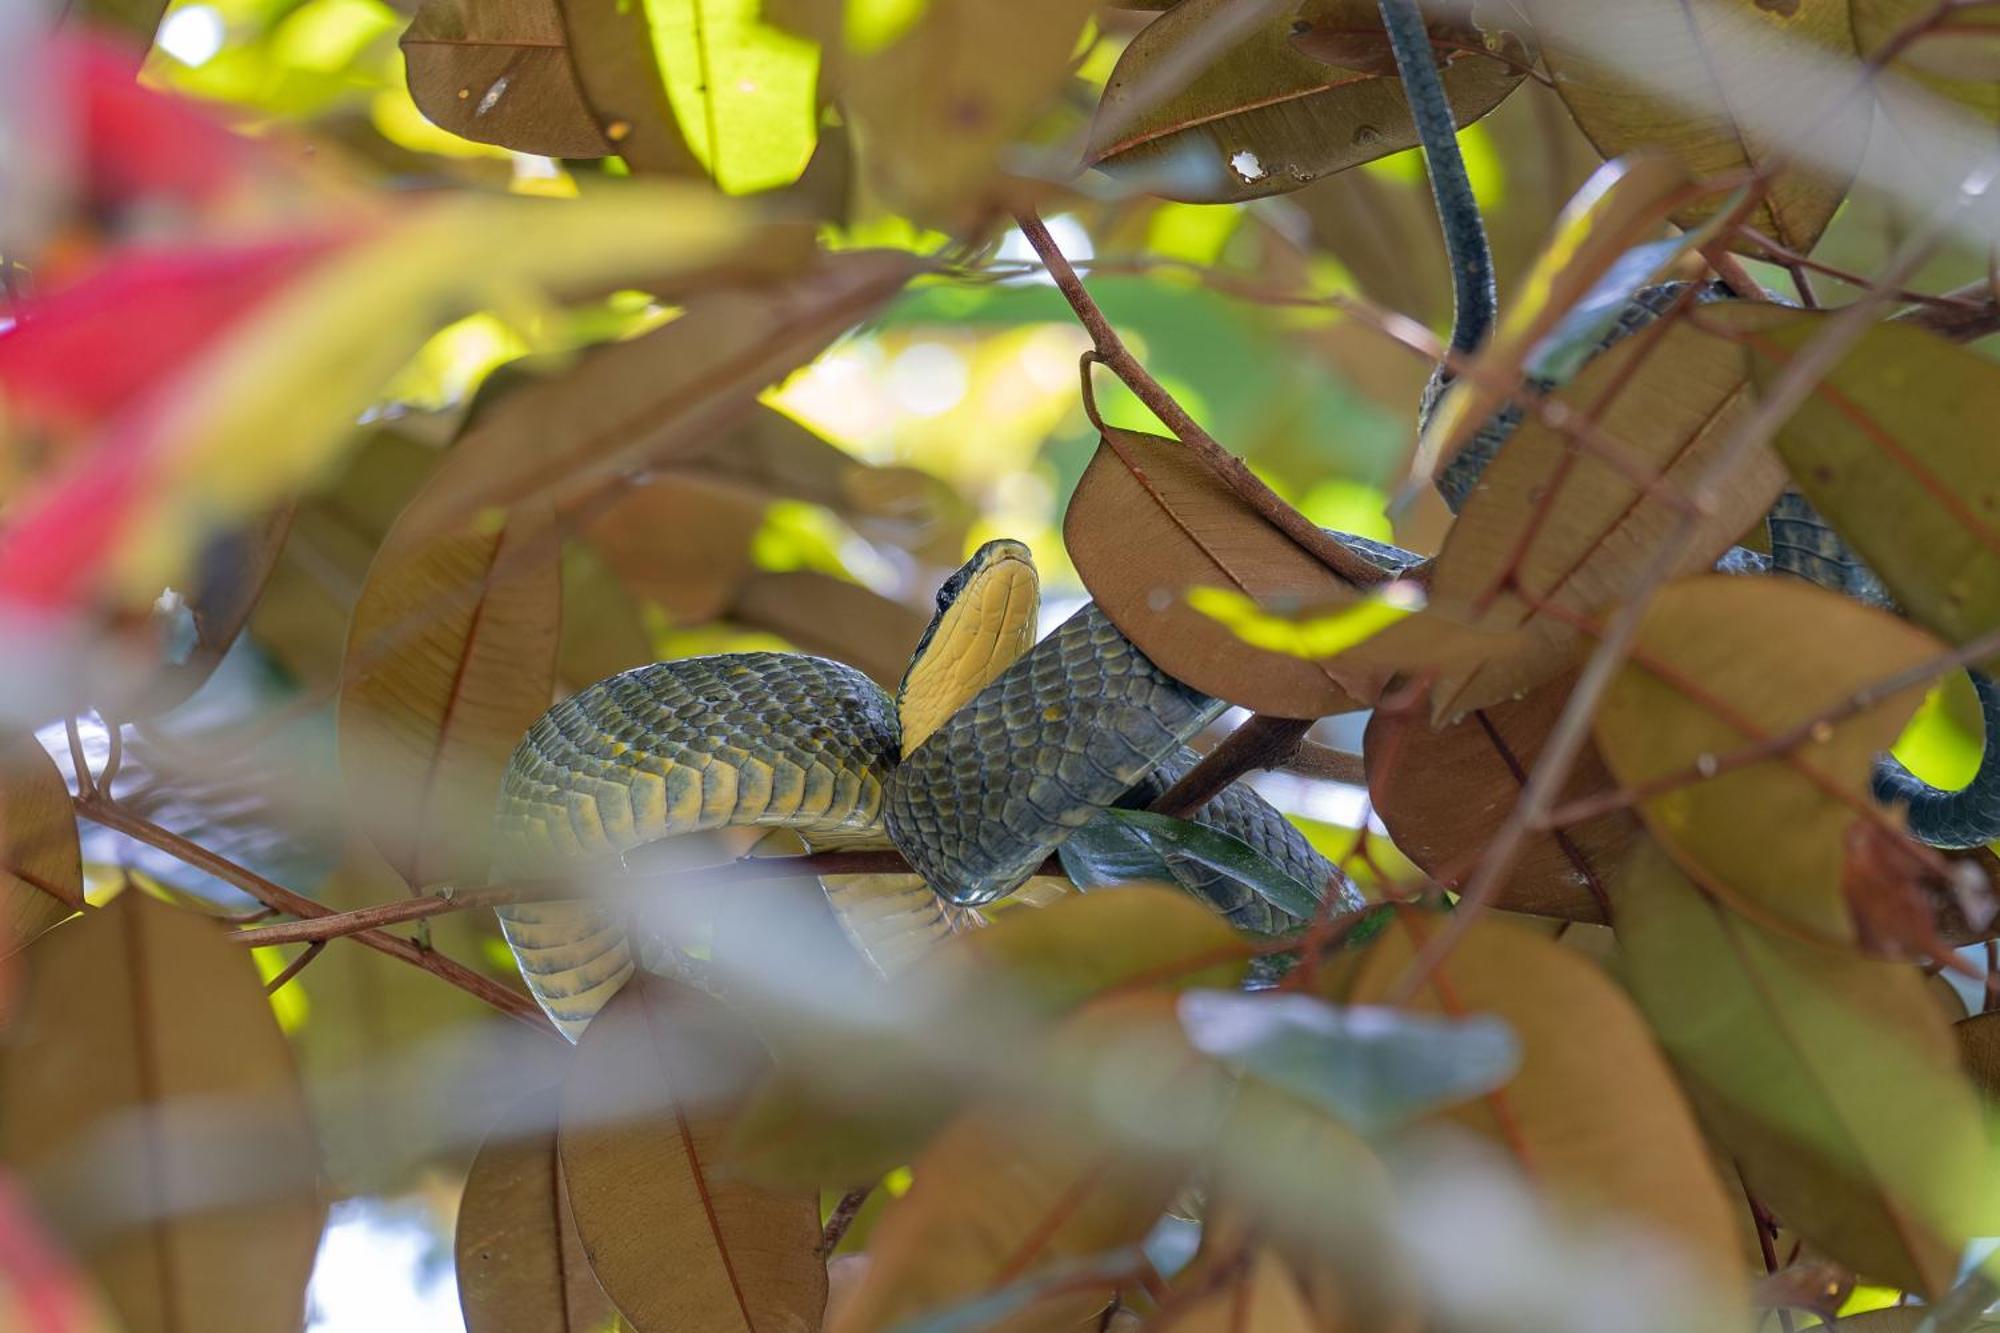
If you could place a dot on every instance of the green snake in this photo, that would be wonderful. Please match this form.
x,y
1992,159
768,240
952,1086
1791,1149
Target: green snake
x,y
993,750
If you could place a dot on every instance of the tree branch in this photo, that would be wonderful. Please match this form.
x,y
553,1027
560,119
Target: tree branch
x,y
1261,742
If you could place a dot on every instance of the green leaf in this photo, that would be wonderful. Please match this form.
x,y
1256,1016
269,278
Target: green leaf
x,y
1832,1080
1374,1068
743,90
1119,846
1885,448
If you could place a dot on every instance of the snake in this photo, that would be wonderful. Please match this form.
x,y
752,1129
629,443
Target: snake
x,y
996,747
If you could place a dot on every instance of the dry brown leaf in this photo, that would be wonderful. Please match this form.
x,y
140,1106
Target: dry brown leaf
x,y
1594,1116
833,618
679,540
652,399
1485,759
41,866
151,1103
499,72
1550,527
677,1242
450,657
1148,522
1723,662
520,1262
1718,94
1263,116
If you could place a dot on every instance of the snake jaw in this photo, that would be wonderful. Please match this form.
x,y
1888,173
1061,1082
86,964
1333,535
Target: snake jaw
x,y
987,616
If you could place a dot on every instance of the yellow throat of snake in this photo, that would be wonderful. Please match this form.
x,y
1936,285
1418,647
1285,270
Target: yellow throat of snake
x,y
987,617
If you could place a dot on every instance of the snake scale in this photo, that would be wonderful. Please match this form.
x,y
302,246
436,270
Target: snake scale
x,y
996,748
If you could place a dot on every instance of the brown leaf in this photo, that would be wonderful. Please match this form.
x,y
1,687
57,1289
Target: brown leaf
x,y
1547,160
1385,233
618,77
939,106
450,658
1445,826
1593,1116
1148,522
831,617
1723,662
1548,527
651,400
41,866
603,629
1263,116
150,1101
680,540
1000,1193
520,1261
1262,1298
1714,88
1830,1079
499,72
1958,59
230,576
1979,1049
677,1242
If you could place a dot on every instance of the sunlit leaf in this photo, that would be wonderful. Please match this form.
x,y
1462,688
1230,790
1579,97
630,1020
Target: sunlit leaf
x,y
41,866
1320,636
1832,1080
1217,101
1722,663
519,1260
1593,1116
1445,827
611,49
677,1242
450,657
500,74
1374,1068
1712,85
152,1106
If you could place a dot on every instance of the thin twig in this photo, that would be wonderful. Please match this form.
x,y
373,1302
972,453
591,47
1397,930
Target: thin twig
x,y
116,817
296,966
841,1218
85,784
1226,466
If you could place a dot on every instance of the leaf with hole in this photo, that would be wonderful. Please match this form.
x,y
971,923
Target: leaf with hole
x,y
1833,1080
1722,664
1219,102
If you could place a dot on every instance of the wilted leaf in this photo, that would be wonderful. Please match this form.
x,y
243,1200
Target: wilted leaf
x,y
681,541
1203,110
833,618
1549,526
1594,1116
41,867
500,73
1001,1193
1725,87
450,658
1722,663
611,53
939,107
1575,292
151,1105
520,1262
1833,1080
1881,449
1373,1068
1120,846
649,400
1148,522
677,1242
1446,826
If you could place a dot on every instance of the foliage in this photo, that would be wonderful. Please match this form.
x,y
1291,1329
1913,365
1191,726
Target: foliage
x,y
372,378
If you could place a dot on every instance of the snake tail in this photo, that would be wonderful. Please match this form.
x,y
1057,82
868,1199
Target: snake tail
x,y
775,740
1474,299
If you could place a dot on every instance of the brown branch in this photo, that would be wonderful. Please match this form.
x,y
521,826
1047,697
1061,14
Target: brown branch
x,y
1261,742
1227,467
114,816
1313,760
296,966
1975,314
842,1217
